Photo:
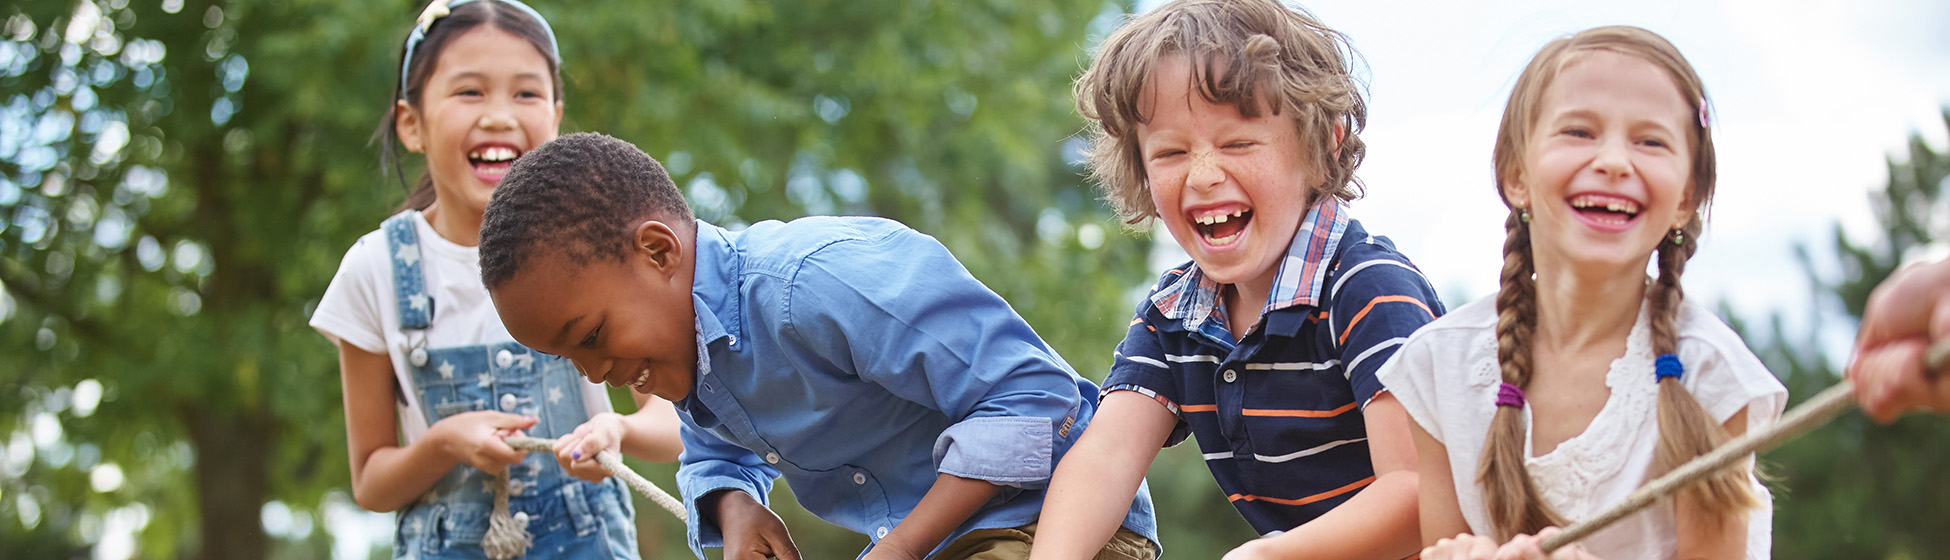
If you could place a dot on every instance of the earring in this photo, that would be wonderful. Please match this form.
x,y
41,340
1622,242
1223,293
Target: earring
x,y
1678,236
1523,214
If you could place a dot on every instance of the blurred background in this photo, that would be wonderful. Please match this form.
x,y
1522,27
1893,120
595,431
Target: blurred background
x,y
179,179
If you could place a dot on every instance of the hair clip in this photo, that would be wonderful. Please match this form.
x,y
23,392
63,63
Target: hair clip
x,y
1667,365
442,8
1702,113
435,10
1509,395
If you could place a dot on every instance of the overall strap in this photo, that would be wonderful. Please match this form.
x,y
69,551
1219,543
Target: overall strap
x,y
403,246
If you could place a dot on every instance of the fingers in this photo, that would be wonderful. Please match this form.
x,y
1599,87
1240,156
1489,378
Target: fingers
x,y
1461,547
1889,379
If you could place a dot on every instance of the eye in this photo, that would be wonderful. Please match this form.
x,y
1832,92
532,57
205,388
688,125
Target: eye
x,y
468,92
1164,154
1240,144
529,94
589,340
1576,132
1653,143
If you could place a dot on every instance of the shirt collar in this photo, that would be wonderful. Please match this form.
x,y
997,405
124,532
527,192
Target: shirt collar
x,y
1193,297
714,292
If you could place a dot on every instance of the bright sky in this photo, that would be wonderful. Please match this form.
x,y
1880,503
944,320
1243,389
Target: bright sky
x,y
1810,97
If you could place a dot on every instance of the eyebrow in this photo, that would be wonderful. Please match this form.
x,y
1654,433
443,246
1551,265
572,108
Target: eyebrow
x,y
482,75
562,336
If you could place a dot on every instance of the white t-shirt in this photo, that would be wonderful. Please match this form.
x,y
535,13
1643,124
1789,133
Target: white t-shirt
x,y
1447,376
360,308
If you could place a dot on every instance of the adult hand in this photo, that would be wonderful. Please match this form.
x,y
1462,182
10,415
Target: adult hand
x,y
752,532
474,438
577,451
1905,314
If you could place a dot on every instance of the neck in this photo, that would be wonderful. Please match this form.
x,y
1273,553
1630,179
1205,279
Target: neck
x,y
1578,309
462,228
1243,302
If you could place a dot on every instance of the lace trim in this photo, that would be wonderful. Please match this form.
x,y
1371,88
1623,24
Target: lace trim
x,y
1569,476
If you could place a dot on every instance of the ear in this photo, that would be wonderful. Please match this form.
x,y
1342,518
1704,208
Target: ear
x,y
1340,134
406,125
659,247
1515,192
1688,208
558,115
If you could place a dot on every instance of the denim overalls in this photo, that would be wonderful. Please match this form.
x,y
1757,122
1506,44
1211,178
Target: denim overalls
x,y
568,518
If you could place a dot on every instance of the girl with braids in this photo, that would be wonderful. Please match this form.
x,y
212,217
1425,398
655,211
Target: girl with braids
x,y
432,379
1582,378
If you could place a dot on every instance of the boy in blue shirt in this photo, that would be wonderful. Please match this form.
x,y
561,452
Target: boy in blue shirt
x,y
854,356
1235,124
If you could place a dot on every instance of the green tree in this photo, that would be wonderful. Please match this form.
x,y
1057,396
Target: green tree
x,y
178,180
1855,489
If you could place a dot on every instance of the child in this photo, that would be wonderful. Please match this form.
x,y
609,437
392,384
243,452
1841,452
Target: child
x,y
900,397
418,337
1582,379
1906,314
1236,125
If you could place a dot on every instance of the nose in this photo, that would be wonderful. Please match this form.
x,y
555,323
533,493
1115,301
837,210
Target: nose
x,y
1204,172
595,370
497,117
1614,158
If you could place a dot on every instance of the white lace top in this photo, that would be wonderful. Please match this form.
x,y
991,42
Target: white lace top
x,y
1446,375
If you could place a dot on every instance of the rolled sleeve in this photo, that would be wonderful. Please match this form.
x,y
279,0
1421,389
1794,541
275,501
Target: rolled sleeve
x,y
1007,451
709,464
1140,366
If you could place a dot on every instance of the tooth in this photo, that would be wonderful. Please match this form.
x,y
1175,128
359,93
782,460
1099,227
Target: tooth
x,y
1238,213
1219,219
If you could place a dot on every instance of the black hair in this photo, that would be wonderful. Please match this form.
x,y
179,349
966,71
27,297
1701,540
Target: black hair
x,y
463,18
580,196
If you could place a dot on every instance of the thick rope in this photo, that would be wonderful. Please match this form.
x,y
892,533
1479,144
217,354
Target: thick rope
x,y
614,464
507,536
1824,406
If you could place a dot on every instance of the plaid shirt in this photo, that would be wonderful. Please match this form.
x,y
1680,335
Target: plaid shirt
x,y
1277,414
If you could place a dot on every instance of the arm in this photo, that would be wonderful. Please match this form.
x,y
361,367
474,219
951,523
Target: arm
x,y
1380,521
386,476
1702,536
1098,478
1441,516
946,506
716,478
650,433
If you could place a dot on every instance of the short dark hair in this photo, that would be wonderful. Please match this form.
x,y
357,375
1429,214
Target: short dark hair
x,y
579,196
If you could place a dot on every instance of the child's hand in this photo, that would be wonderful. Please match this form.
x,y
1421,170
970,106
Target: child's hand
x,y
1462,547
474,438
1528,547
752,532
577,451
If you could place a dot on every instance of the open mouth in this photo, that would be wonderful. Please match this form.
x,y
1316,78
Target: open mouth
x,y
1603,209
1222,228
491,161
642,378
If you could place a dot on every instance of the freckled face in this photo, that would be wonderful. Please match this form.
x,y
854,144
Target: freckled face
x,y
620,322
1231,190
1608,174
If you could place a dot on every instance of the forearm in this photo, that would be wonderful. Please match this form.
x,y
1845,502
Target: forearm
x,y
393,477
1379,523
1087,499
947,505
652,433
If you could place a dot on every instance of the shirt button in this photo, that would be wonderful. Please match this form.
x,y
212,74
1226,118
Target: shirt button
x,y
418,356
507,402
1231,376
772,458
504,358
880,533
733,339
859,478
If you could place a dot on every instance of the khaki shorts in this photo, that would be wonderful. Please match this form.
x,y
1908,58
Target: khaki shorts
x,y
1013,544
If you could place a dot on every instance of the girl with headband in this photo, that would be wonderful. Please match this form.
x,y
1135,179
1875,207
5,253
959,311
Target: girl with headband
x,y
432,380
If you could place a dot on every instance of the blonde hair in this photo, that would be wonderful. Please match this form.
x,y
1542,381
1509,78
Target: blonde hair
x,y
1685,428
1240,50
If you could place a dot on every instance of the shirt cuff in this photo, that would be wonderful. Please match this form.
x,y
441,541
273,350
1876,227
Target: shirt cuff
x,y
1179,431
1008,451
704,536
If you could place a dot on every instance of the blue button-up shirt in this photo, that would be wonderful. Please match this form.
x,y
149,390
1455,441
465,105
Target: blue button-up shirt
x,y
859,359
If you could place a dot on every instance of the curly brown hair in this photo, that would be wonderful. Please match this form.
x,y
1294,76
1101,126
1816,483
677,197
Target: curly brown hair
x,y
1240,51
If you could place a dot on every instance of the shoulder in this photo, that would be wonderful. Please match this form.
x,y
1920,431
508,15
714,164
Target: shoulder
x,y
801,238
1373,262
367,258
1721,372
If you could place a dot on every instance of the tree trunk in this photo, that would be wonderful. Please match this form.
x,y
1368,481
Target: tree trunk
x,y
232,470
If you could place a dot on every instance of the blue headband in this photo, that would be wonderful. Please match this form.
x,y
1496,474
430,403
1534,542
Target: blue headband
x,y
441,8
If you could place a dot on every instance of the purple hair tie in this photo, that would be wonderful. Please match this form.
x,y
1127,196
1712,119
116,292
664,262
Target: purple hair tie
x,y
1509,395
1667,365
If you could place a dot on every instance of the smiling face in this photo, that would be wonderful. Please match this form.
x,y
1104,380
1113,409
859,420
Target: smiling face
x,y
1607,174
626,323
489,98
1231,190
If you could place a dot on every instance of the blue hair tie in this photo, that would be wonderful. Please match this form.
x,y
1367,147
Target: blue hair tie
x,y
441,8
1667,365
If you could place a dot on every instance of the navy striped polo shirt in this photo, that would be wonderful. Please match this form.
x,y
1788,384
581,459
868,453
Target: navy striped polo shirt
x,y
1278,414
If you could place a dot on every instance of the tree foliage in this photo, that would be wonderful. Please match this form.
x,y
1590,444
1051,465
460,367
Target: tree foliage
x,y
1855,489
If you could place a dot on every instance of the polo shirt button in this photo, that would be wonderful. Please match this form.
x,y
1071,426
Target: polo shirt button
x,y
504,358
507,402
772,458
418,356
859,478
880,533
1231,376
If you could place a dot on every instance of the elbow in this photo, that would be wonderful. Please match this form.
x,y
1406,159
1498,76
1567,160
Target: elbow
x,y
373,501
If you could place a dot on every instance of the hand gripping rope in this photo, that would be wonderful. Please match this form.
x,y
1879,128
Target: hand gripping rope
x,y
1818,410
508,537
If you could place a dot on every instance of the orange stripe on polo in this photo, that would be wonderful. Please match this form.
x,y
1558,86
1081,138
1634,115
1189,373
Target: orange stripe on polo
x,y
1297,413
1307,500
1200,408
1370,306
